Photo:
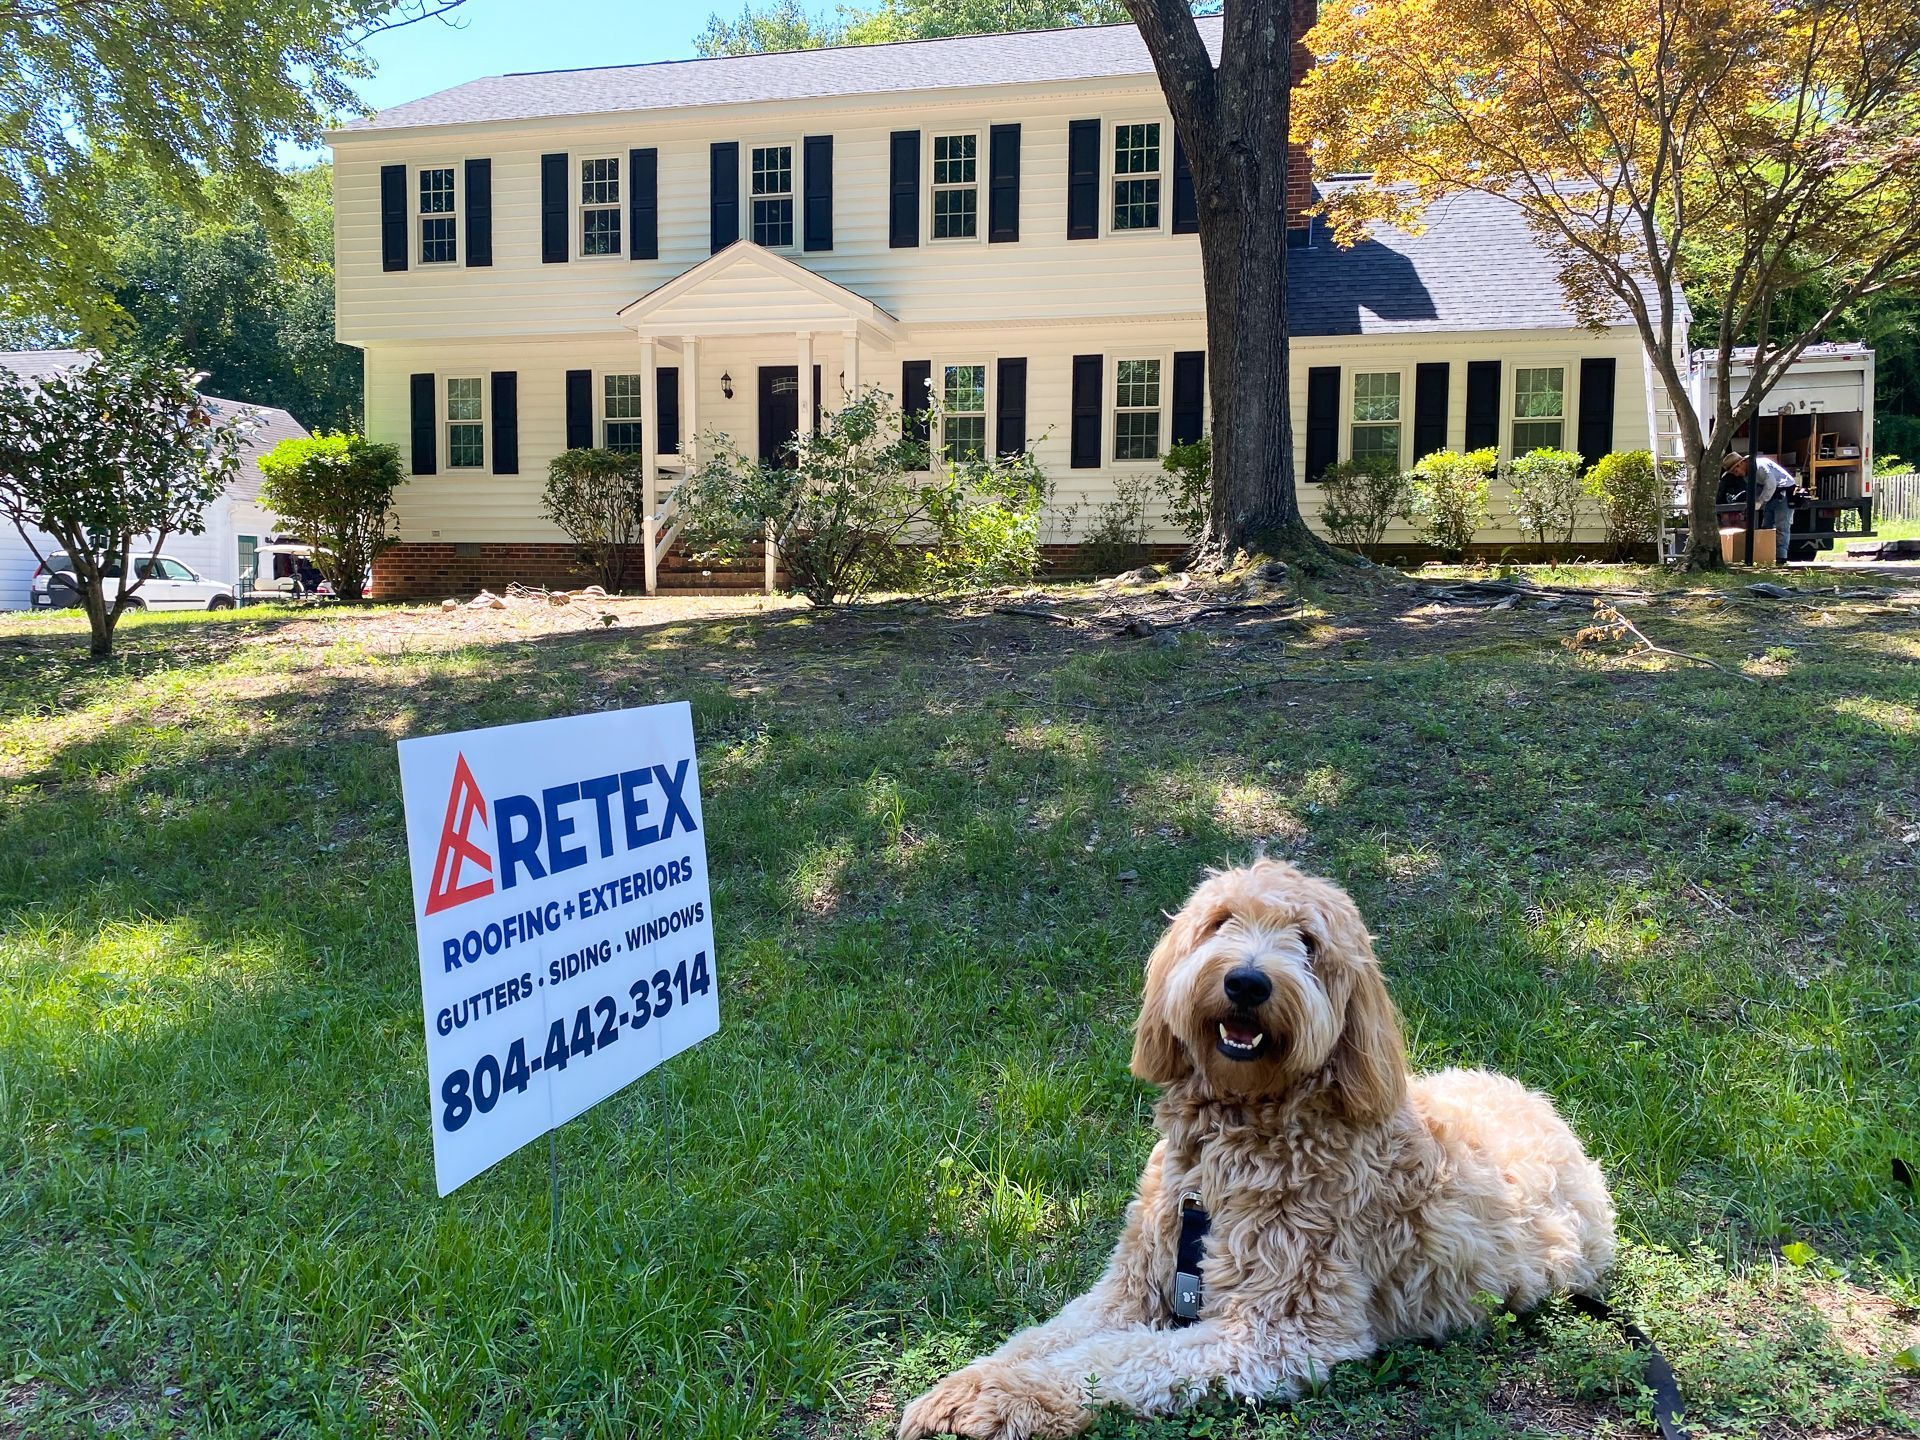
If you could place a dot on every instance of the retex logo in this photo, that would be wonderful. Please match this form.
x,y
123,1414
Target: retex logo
x,y
534,837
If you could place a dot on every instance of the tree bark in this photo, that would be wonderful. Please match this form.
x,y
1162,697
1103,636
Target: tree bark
x,y
1233,126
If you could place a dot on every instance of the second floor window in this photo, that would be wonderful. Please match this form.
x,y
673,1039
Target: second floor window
x,y
439,241
466,424
963,406
1136,410
1539,408
1136,176
956,187
1376,419
773,196
599,207
621,413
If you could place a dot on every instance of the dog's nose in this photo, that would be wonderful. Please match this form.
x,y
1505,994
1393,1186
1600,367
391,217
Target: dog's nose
x,y
1247,987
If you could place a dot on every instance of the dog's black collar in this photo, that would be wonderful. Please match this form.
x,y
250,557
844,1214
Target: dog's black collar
x,y
1187,1289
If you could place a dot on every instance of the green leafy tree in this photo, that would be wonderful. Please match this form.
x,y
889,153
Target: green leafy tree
x,y
335,492
109,459
1185,491
598,497
178,89
778,25
1447,498
1544,491
790,25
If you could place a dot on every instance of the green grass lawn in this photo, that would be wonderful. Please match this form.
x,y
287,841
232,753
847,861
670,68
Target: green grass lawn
x,y
1685,903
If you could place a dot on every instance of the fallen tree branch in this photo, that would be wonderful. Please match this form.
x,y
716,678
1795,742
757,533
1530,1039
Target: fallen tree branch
x,y
1610,624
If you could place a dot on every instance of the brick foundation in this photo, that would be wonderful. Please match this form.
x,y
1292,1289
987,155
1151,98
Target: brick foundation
x,y
430,571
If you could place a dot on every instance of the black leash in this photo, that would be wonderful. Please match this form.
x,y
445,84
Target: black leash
x,y
1666,1391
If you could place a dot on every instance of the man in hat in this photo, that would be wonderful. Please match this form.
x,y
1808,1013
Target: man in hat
x,y
1774,486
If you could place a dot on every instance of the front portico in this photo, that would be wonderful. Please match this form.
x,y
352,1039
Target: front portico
x,y
747,329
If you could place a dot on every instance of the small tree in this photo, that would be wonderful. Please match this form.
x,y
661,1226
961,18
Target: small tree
x,y
599,498
1545,493
1447,498
1359,500
335,493
1187,490
1630,492
109,459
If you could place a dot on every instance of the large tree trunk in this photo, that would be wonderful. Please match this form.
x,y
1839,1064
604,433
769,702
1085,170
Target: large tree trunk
x,y
1233,126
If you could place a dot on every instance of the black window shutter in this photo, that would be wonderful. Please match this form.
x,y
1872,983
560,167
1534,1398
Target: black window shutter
x,y
723,195
914,398
1596,408
426,427
579,409
1186,205
479,212
643,204
1083,180
666,410
1323,419
1086,412
1483,404
393,217
553,209
1431,383
1189,395
903,203
818,213
506,422
1003,187
1010,427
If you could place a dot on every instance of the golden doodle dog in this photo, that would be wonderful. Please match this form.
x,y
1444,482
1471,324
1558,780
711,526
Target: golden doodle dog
x,y
1343,1203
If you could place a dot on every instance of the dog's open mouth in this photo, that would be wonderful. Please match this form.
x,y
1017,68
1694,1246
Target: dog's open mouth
x,y
1243,1039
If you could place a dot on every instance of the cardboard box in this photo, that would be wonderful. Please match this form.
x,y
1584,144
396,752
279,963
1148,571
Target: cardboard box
x,y
1733,547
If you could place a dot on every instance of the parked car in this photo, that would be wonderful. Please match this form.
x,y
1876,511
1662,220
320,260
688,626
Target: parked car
x,y
169,585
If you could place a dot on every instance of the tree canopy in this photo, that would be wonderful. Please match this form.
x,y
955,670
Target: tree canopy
x,y
791,25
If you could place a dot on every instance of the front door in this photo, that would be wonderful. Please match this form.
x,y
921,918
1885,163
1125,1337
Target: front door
x,y
780,412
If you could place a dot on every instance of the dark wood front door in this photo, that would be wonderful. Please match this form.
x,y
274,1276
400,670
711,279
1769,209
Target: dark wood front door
x,y
780,411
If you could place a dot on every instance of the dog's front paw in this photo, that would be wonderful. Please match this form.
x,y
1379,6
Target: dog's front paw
x,y
996,1402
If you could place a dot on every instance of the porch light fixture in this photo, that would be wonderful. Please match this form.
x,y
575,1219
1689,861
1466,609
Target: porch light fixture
x,y
726,384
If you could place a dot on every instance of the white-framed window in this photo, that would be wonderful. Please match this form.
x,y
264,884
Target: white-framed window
x,y
963,407
600,206
466,422
1375,429
620,413
436,202
1137,167
956,187
770,189
1539,407
1136,409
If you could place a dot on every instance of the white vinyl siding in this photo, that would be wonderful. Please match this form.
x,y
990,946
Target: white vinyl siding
x,y
1539,408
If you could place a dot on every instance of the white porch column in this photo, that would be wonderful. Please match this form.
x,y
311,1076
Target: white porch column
x,y
689,397
806,384
649,455
852,383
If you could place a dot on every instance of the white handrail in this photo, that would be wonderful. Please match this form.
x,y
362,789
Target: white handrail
x,y
662,528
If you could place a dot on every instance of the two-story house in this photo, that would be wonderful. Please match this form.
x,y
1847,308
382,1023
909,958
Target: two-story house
x,y
634,256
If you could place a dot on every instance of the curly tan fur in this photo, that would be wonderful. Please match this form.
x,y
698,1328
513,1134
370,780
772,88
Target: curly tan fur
x,y
1352,1204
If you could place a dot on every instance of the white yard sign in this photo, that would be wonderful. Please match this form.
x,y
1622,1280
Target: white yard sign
x,y
566,929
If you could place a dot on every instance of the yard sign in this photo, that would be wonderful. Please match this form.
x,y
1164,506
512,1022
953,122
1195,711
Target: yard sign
x,y
566,929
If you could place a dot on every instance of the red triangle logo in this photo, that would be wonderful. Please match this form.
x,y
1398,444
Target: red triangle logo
x,y
465,805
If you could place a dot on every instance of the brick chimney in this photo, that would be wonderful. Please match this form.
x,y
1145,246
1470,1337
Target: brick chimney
x,y
1299,166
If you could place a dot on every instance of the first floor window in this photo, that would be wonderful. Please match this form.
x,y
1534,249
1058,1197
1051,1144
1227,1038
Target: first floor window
x,y
956,189
1376,419
622,413
1136,176
773,196
439,243
1539,408
600,207
1136,405
466,425
963,407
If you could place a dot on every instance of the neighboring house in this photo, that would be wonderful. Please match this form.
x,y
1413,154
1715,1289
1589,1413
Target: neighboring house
x,y
632,256
236,523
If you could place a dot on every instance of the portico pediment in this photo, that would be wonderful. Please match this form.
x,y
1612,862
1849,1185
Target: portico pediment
x,y
746,289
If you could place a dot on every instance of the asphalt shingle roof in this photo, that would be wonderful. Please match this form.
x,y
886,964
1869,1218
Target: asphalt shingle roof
x,y
1089,52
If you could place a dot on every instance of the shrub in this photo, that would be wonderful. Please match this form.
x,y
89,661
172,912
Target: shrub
x,y
599,498
1630,491
1358,502
1187,489
986,523
1545,494
1447,498
1115,538
335,493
